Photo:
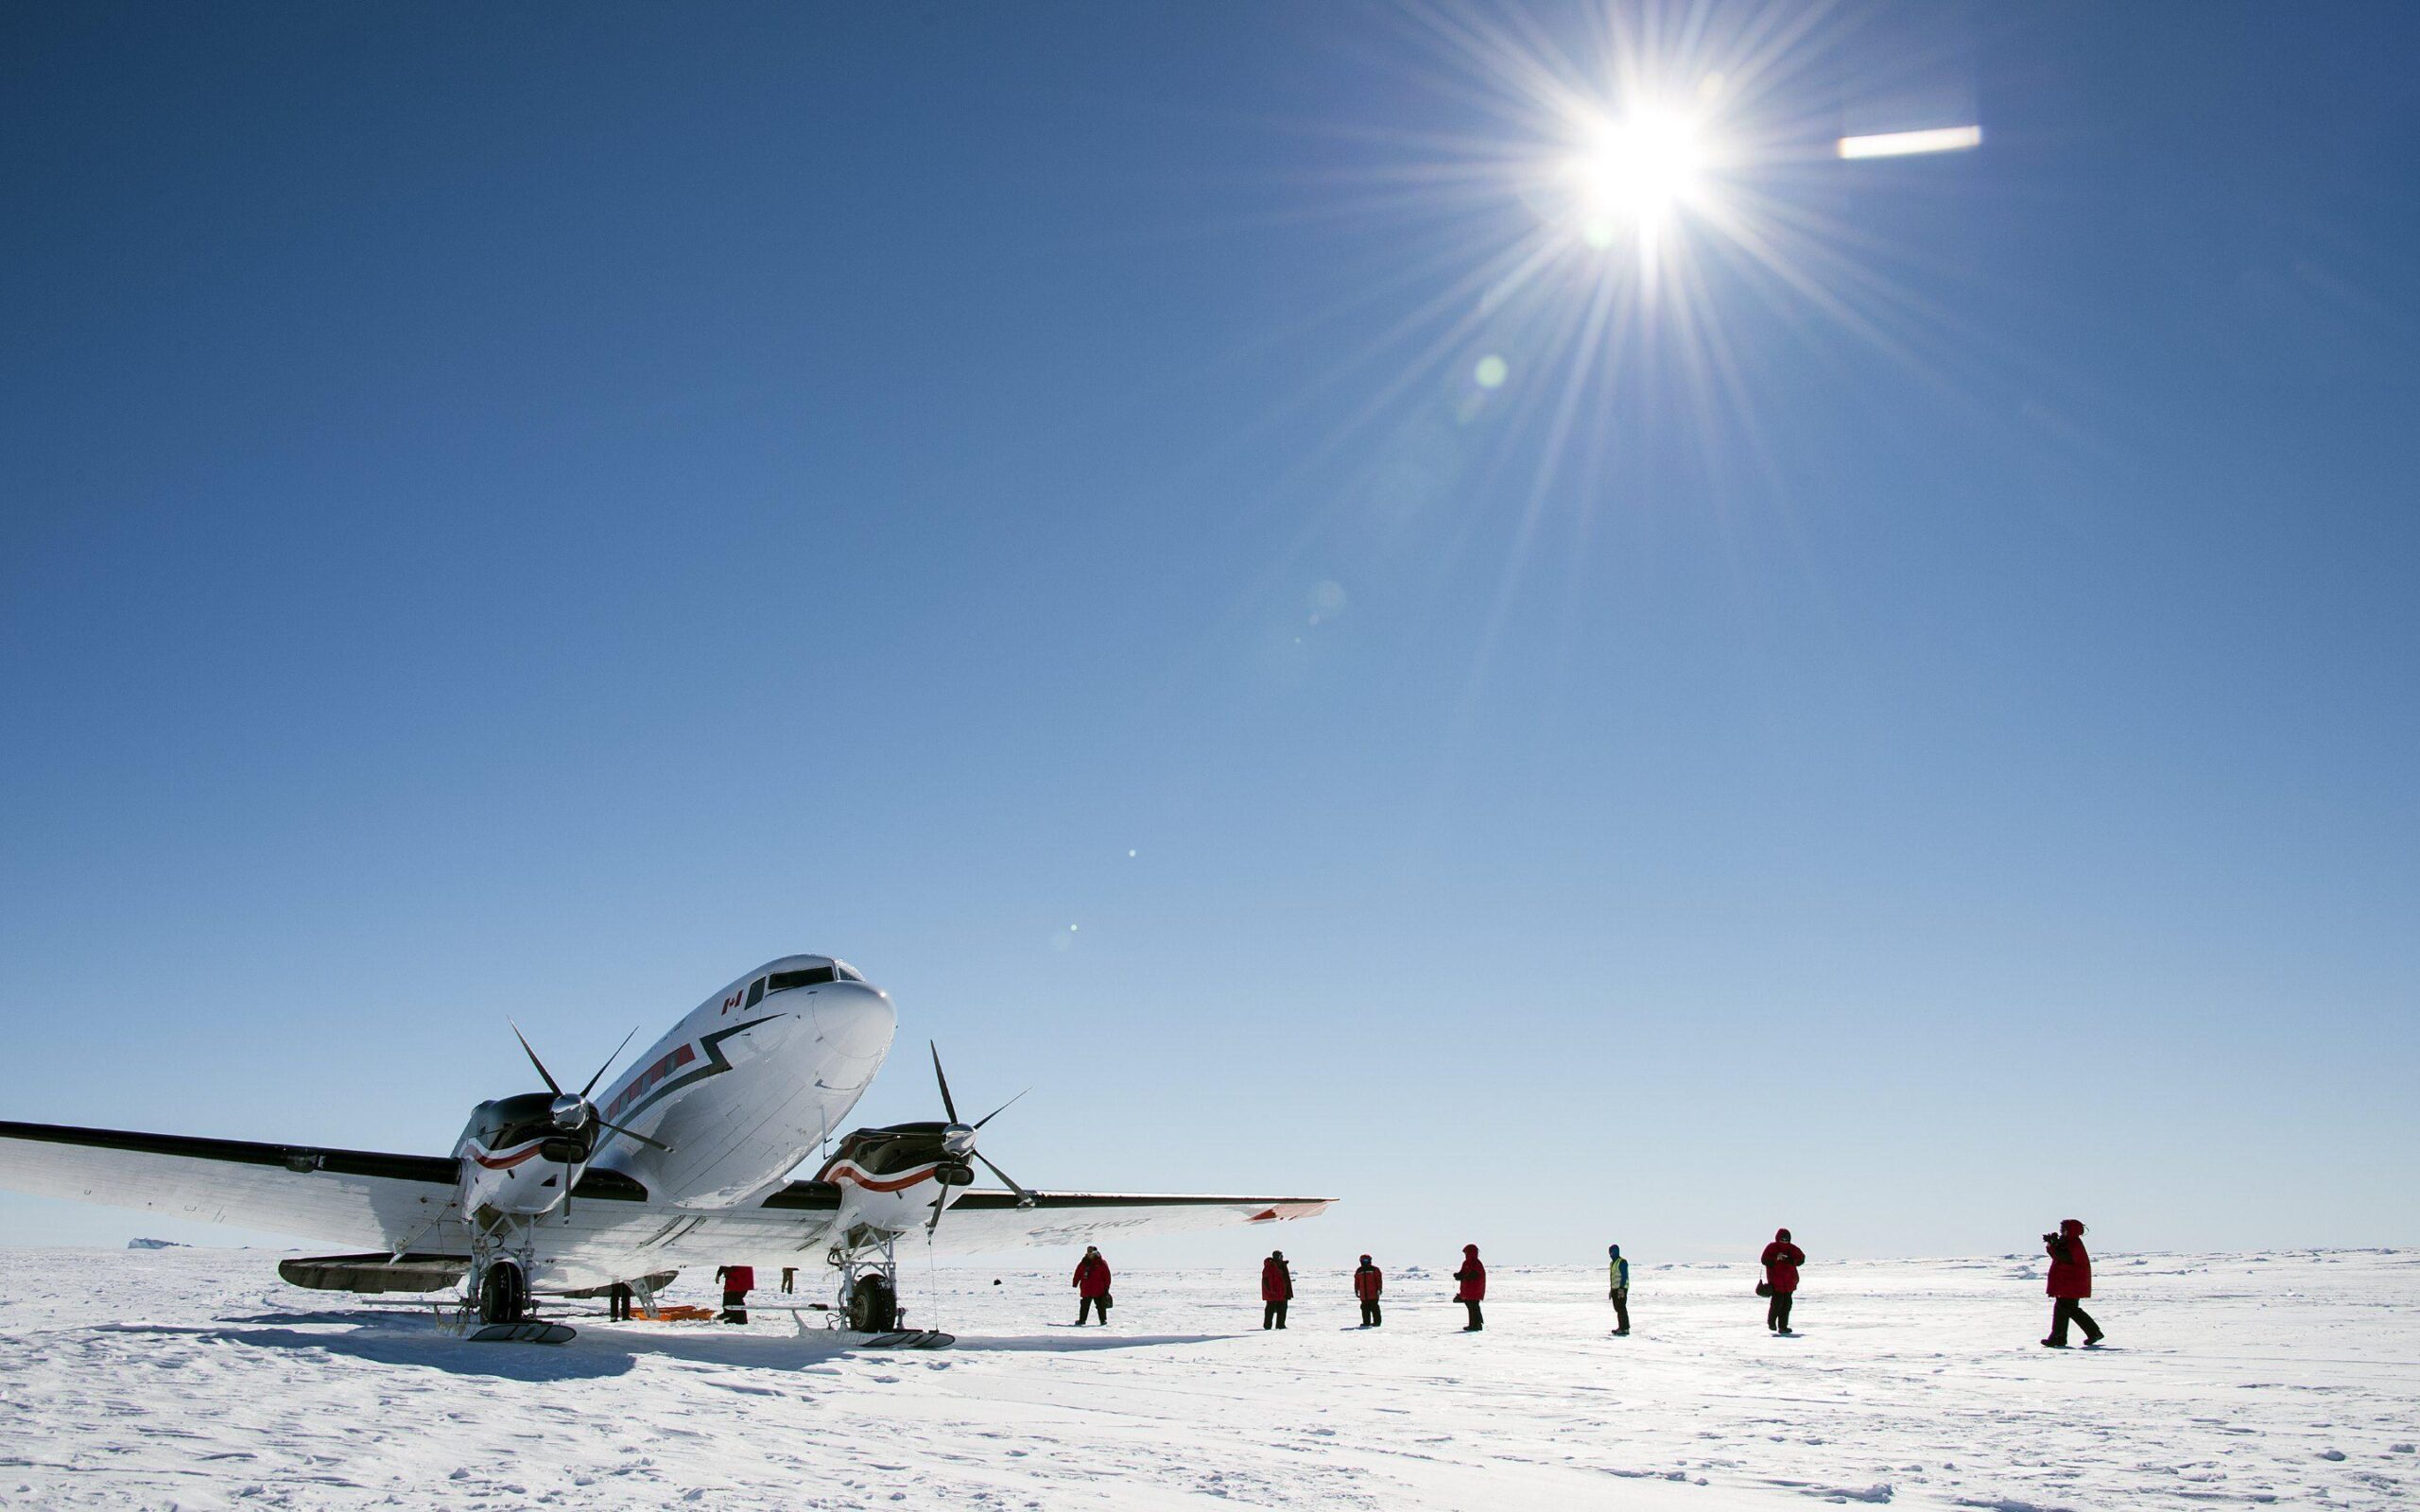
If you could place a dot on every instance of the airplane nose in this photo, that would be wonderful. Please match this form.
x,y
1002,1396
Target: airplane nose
x,y
856,1020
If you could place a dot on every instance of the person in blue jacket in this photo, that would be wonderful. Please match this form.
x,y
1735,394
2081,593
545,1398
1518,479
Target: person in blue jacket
x,y
1617,1288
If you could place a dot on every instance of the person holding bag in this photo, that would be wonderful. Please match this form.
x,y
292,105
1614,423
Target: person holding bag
x,y
1780,1262
1472,1288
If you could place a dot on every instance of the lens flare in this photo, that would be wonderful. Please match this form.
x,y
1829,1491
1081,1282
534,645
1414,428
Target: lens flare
x,y
1907,144
1641,170
1589,228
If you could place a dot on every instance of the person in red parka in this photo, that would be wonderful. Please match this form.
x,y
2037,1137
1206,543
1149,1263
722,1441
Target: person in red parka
x,y
1780,1262
737,1281
1091,1287
1276,1289
2070,1283
1473,1290
1369,1284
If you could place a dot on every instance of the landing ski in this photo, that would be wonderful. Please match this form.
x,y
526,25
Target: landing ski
x,y
531,1333
910,1339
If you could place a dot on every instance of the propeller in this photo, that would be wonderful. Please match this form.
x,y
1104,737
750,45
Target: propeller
x,y
958,1142
572,1111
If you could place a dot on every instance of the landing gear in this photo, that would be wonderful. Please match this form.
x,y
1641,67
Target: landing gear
x,y
869,1283
502,1250
503,1292
868,1267
873,1305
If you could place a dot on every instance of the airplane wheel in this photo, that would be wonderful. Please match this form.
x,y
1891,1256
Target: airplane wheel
x,y
874,1307
504,1295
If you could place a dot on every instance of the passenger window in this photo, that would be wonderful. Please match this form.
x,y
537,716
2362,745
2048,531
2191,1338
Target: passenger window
x,y
755,991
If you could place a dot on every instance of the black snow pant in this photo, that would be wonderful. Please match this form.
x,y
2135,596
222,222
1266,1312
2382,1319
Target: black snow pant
x,y
1370,1313
2068,1310
1477,1322
617,1304
734,1307
1090,1306
1777,1312
789,1279
1621,1309
1272,1315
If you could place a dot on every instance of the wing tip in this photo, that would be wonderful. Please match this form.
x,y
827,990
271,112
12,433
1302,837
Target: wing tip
x,y
1292,1208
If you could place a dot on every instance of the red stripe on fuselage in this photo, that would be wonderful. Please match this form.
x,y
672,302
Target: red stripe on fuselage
x,y
841,1174
502,1163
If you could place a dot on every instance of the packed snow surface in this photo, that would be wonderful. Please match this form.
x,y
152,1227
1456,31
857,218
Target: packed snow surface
x,y
194,1378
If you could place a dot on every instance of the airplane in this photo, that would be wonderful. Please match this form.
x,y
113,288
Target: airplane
x,y
684,1160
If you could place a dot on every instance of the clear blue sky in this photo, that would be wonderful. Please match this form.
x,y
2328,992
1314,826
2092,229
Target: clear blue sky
x,y
535,510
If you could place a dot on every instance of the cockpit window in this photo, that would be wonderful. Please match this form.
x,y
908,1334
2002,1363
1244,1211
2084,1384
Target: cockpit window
x,y
847,972
809,976
755,991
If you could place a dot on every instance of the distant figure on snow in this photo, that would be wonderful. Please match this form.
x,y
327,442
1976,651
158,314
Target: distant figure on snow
x,y
1367,1286
1091,1287
1276,1290
789,1279
1782,1260
737,1281
618,1303
1473,1290
2070,1283
1617,1288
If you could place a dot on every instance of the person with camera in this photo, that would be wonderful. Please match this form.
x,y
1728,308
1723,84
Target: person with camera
x,y
1780,1262
2070,1283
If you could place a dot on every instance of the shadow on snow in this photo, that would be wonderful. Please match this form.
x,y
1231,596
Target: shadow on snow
x,y
600,1352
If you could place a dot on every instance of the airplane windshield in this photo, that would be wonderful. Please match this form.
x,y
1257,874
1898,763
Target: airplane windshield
x,y
847,972
808,976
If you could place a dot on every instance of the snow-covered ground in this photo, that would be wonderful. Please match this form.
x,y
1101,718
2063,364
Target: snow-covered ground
x,y
194,1378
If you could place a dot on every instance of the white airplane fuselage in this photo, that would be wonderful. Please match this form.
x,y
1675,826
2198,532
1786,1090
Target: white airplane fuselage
x,y
738,1092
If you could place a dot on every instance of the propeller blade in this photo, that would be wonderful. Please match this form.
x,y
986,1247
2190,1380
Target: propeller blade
x,y
543,1073
609,1063
947,1105
997,1111
634,1134
941,1205
1025,1198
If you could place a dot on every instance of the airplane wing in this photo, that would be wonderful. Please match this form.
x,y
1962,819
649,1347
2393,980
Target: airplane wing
x,y
982,1223
348,1196
377,1202
793,1227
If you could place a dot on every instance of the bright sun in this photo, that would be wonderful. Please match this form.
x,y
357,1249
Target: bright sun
x,y
1636,172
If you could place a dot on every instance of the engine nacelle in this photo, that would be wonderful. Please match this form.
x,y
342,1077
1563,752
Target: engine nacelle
x,y
517,1158
889,1178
